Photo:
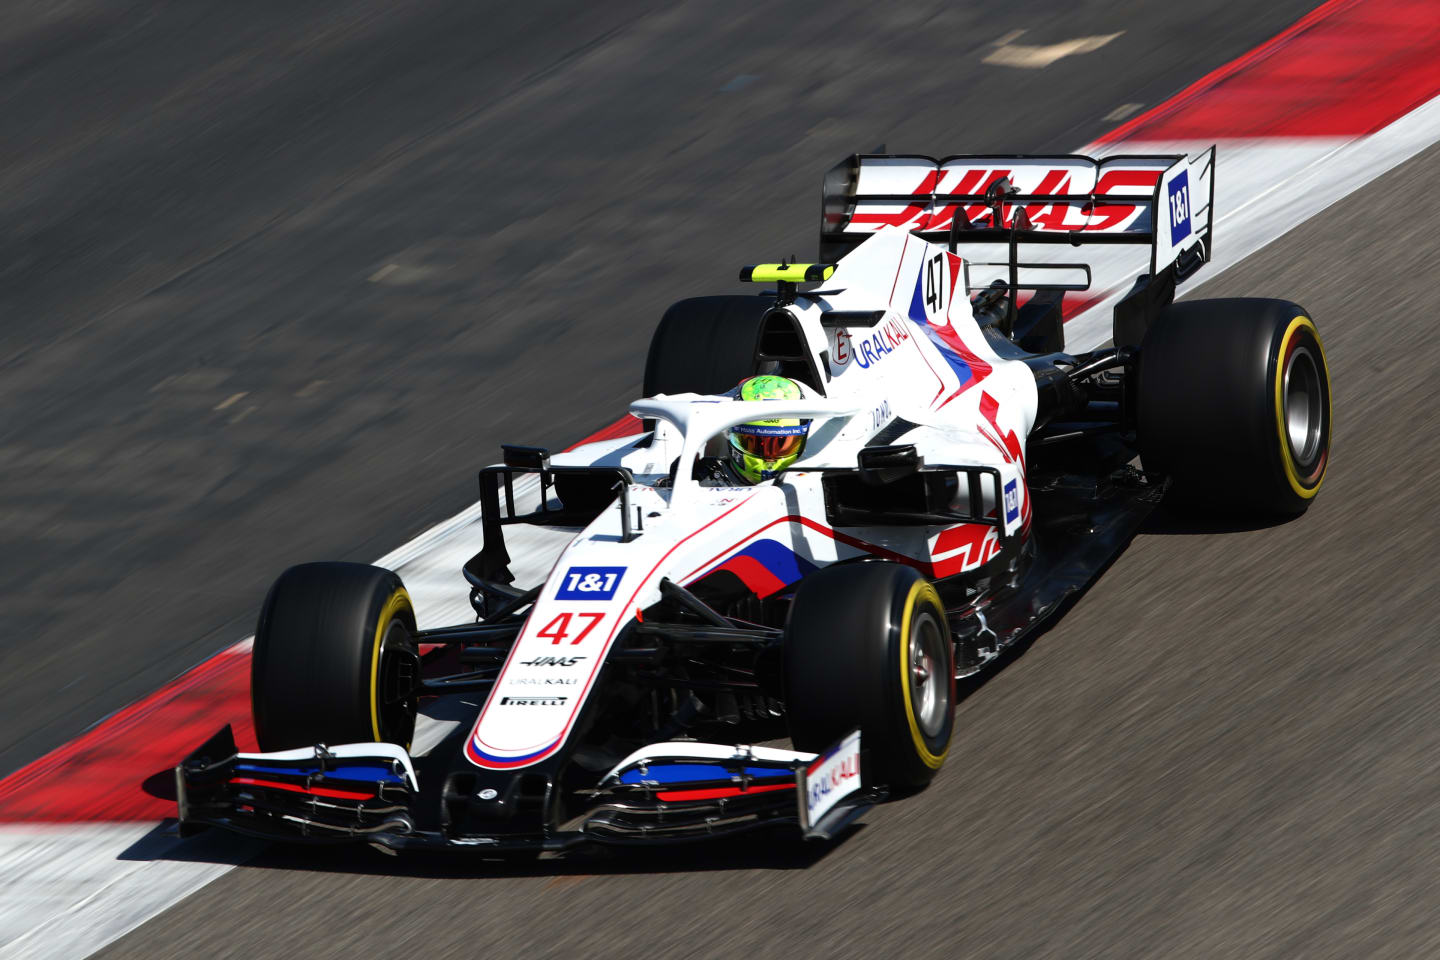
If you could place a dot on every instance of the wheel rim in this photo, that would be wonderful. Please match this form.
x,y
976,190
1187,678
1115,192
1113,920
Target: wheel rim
x,y
1303,406
929,684
399,677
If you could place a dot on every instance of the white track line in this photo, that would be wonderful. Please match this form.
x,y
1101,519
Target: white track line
x,y
1263,189
68,890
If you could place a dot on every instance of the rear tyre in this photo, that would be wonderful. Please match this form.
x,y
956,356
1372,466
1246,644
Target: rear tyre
x,y
867,646
705,345
1234,405
335,658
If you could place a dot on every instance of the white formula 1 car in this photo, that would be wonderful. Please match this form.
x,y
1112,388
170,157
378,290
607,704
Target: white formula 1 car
x,y
963,476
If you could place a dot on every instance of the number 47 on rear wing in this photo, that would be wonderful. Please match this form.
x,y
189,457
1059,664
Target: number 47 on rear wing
x,y
1163,201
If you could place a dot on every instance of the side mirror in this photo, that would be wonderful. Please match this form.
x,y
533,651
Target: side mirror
x,y
882,465
525,458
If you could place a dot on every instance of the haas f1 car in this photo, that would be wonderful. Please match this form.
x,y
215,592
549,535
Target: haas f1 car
x,y
962,476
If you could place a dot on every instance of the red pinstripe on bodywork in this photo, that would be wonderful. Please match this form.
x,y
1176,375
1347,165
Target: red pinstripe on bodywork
x,y
330,792
473,741
717,792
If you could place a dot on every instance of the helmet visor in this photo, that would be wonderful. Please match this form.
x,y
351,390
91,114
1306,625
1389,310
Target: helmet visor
x,y
769,442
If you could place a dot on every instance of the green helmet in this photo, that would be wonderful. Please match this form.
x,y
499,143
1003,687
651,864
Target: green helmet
x,y
762,448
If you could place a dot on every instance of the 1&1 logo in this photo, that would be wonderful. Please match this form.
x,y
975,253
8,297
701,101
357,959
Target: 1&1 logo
x,y
590,583
1012,501
1179,208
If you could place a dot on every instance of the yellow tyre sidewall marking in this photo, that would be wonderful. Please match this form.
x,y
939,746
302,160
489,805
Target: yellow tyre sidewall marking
x,y
1287,459
920,590
399,600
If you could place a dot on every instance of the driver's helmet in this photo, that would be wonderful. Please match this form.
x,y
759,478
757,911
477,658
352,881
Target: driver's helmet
x,y
762,448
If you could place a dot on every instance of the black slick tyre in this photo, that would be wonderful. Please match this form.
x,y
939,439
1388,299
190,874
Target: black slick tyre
x,y
705,345
335,659
867,646
1233,403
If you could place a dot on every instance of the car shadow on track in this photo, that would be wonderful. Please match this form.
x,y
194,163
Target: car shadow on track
x,y
765,849
771,849
1166,520
1173,521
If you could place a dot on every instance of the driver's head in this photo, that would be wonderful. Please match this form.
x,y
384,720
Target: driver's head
x,y
762,448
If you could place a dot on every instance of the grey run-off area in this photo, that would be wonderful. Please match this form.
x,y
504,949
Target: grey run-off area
x,y
1227,748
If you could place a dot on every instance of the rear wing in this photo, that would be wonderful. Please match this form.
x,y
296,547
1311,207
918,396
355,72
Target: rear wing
x,y
1163,201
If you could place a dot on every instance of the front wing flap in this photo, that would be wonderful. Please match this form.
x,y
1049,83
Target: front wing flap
x,y
314,794
687,790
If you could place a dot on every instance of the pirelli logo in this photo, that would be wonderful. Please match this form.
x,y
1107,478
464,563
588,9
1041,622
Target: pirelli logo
x,y
533,701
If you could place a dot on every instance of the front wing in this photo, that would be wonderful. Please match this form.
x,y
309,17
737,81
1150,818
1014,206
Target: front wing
x,y
664,792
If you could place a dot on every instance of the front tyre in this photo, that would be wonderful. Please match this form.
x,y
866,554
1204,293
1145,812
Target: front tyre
x,y
335,658
1234,404
867,645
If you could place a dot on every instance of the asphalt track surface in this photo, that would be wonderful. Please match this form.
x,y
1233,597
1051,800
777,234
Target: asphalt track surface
x,y
1227,748
275,278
